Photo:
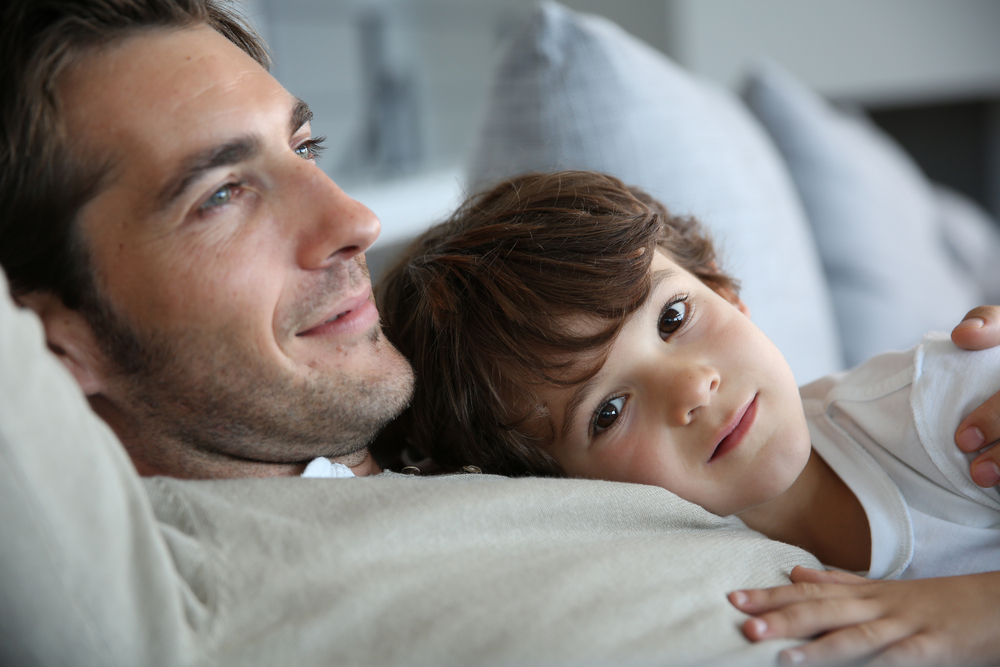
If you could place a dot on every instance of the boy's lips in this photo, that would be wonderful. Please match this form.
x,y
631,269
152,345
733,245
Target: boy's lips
x,y
737,428
352,315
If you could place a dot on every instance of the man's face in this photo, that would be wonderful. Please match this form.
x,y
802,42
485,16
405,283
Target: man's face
x,y
229,260
693,397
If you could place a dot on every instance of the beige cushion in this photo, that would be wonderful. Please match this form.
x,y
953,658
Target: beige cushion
x,y
100,567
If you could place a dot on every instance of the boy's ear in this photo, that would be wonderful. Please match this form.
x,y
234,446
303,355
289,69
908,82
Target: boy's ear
x,y
729,295
70,338
733,298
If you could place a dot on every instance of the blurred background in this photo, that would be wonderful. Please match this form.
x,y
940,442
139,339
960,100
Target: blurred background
x,y
398,86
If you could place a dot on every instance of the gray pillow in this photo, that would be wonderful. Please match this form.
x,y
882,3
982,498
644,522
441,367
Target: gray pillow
x,y
576,92
973,239
874,217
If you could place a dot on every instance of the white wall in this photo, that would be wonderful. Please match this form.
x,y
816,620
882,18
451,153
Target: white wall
x,y
869,51
446,46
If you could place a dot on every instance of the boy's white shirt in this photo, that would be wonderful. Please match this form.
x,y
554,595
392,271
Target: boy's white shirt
x,y
887,429
324,468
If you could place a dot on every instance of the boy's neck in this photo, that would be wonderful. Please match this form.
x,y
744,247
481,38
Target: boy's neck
x,y
820,514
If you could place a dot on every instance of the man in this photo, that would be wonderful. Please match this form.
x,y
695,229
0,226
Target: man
x,y
225,325
204,283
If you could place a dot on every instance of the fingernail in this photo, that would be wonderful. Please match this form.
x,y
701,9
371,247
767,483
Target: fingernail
x,y
986,473
972,323
791,656
970,439
739,598
758,626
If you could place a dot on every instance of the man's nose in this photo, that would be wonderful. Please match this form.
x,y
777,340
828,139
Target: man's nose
x,y
336,227
690,388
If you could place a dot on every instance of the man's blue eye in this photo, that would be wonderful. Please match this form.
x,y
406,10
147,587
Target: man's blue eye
x,y
310,149
608,414
220,197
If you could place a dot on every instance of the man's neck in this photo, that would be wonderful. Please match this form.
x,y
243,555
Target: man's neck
x,y
154,454
820,514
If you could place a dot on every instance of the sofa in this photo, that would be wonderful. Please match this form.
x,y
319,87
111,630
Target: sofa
x,y
101,567
843,247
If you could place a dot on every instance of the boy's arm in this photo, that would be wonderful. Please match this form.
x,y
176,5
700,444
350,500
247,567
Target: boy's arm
x,y
942,621
981,329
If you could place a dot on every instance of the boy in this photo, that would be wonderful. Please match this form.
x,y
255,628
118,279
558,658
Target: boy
x,y
570,326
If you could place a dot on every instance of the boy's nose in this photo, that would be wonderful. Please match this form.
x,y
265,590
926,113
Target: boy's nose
x,y
691,389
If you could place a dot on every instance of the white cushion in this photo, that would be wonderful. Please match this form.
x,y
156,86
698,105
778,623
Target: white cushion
x,y
576,92
874,217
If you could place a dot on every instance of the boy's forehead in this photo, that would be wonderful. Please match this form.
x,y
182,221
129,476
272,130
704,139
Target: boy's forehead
x,y
662,267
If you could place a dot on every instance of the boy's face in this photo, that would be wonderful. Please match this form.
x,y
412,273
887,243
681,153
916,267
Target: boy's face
x,y
693,397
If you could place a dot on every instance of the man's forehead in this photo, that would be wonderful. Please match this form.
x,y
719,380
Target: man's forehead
x,y
159,88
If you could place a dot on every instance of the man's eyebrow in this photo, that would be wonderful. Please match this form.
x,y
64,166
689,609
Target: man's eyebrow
x,y
583,391
232,152
301,114
193,166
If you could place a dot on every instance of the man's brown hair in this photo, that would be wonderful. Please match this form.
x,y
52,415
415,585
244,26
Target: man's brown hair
x,y
43,183
479,305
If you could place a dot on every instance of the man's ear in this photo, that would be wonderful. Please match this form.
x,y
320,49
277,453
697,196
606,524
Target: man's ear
x,y
70,338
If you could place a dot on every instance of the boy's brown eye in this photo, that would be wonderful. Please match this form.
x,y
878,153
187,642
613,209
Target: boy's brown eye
x,y
608,414
672,318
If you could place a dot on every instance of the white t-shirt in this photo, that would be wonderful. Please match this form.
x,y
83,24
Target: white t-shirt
x,y
887,428
323,468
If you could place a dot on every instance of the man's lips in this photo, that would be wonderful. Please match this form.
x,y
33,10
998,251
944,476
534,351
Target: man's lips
x,y
737,428
352,315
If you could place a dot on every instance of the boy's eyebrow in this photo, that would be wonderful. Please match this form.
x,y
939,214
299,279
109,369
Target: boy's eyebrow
x,y
583,391
575,401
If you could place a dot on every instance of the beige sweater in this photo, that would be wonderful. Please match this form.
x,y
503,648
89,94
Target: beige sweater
x,y
100,567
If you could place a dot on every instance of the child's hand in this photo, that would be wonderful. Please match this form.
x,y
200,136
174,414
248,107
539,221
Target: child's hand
x,y
981,329
944,621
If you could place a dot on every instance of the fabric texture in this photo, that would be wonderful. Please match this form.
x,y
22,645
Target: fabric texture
x,y
887,429
574,91
102,568
873,215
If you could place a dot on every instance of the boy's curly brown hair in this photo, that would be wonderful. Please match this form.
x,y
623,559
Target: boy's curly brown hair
x,y
479,305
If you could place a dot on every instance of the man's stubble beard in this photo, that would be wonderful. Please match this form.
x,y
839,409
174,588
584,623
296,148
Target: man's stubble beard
x,y
225,401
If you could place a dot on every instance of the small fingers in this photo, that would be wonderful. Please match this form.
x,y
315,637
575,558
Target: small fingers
x,y
807,584
806,619
919,650
986,468
808,574
979,329
759,600
981,427
848,645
